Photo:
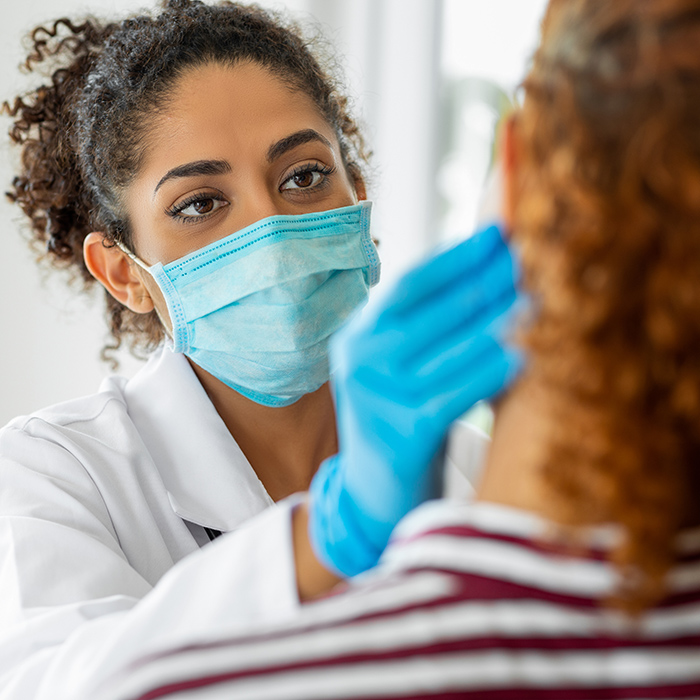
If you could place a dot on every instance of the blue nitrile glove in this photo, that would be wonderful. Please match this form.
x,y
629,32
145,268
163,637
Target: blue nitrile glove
x,y
405,370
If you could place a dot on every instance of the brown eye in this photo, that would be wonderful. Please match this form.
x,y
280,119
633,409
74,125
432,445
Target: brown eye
x,y
198,207
203,206
304,180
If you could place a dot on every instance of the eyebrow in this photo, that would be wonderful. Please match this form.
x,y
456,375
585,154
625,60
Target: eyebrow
x,y
197,167
298,138
221,167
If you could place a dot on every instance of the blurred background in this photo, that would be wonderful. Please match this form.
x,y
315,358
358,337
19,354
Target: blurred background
x,y
429,79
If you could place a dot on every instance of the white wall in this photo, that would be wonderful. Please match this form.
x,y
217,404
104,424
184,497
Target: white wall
x,y
50,337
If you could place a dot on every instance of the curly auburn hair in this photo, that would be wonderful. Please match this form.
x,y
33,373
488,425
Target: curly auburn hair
x,y
83,134
608,223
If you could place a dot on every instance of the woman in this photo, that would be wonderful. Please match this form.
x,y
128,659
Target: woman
x,y
575,573
203,168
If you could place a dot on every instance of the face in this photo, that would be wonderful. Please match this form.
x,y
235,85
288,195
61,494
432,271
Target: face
x,y
234,146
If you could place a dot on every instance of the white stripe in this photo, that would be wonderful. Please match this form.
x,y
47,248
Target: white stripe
x,y
505,561
518,564
484,516
468,671
415,629
496,519
667,623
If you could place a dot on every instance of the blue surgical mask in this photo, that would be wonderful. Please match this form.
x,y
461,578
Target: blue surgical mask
x,y
256,309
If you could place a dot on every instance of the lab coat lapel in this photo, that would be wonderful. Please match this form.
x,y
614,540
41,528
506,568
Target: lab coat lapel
x,y
208,479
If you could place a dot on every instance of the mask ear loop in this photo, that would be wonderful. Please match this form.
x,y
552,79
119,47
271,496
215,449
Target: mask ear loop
x,y
133,257
147,268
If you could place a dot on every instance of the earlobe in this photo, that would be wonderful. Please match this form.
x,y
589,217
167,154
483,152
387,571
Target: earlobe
x,y
113,269
360,188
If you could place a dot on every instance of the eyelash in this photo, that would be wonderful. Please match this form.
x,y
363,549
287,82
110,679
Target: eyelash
x,y
176,209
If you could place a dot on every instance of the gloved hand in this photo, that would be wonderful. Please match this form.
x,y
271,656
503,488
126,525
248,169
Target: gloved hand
x,y
404,371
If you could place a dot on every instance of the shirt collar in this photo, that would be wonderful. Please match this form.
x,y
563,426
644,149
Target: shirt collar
x,y
208,478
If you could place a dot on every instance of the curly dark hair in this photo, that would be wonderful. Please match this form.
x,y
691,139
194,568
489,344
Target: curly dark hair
x,y
82,134
608,222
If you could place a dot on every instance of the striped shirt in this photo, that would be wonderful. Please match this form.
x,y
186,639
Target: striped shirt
x,y
469,601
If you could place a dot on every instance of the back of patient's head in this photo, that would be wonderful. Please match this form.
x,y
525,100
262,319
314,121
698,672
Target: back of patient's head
x,y
607,215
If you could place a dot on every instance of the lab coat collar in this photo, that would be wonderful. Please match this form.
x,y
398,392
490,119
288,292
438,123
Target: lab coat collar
x,y
208,478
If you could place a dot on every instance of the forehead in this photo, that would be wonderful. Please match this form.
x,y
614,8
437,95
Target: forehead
x,y
217,110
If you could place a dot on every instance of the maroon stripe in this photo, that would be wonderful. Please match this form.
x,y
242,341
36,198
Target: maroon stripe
x,y
451,647
423,654
666,692
483,588
471,588
562,644
679,599
559,693
541,546
474,587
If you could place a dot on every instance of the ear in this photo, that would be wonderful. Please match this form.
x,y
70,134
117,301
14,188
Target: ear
x,y
510,166
360,187
361,193
117,273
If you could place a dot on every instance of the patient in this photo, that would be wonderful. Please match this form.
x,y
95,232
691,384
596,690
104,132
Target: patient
x,y
576,573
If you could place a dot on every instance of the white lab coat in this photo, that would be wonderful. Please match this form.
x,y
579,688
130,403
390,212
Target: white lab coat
x,y
102,496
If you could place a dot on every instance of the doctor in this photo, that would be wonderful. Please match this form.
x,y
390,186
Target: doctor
x,y
200,165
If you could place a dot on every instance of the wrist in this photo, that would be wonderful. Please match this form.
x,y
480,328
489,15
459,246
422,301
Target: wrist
x,y
342,533
312,577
